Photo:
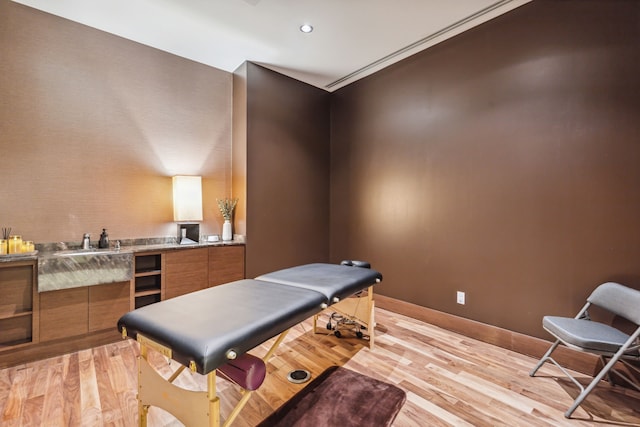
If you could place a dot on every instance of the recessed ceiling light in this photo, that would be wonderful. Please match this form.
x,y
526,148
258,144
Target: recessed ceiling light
x,y
306,28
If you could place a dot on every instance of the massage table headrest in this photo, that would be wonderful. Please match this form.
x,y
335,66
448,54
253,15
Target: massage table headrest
x,y
355,263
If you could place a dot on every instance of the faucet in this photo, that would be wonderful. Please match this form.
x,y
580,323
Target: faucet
x,y
86,241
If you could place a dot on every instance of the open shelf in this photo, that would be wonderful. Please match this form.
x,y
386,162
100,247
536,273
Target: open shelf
x,y
15,330
148,273
146,292
14,344
147,279
4,316
146,300
17,304
144,283
148,263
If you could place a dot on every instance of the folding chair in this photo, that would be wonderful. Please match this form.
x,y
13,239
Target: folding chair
x,y
582,334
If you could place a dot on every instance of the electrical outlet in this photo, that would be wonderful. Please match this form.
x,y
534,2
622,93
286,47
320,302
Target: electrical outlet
x,y
460,297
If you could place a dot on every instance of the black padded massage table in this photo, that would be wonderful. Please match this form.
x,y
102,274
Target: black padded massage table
x,y
211,331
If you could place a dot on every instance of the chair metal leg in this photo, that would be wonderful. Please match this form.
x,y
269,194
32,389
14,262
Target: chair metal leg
x,y
592,385
604,371
544,358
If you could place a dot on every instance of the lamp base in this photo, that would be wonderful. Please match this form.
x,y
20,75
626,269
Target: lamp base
x,y
188,234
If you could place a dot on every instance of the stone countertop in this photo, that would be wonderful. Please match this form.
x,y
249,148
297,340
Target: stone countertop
x,y
175,246
18,257
48,250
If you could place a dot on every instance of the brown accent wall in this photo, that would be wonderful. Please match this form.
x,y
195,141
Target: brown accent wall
x,y
92,127
503,162
287,164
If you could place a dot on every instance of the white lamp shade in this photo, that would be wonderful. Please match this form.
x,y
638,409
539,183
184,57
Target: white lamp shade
x,y
187,198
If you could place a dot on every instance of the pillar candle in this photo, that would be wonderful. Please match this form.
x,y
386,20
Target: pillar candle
x,y
15,244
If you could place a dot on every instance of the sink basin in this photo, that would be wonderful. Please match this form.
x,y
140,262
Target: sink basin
x,y
83,267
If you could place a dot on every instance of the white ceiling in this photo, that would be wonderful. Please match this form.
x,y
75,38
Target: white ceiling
x,y
351,38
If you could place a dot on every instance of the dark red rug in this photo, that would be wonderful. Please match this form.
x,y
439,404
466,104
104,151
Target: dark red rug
x,y
340,397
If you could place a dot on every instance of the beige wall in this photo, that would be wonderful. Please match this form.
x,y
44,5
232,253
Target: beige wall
x,y
93,126
239,148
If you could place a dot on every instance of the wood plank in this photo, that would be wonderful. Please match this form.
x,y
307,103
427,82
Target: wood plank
x,y
15,403
582,362
106,360
72,384
90,406
32,415
450,379
42,350
54,403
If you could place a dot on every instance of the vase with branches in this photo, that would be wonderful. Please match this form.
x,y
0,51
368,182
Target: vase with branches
x,y
226,206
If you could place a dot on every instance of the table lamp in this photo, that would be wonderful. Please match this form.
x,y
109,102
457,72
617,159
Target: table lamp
x,y
187,207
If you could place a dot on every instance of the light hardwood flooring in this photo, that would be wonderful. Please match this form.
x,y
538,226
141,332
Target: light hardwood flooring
x,y
450,380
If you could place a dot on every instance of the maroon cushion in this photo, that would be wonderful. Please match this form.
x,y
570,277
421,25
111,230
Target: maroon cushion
x,y
246,370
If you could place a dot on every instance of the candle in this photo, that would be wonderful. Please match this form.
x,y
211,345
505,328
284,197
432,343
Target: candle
x,y
3,247
15,244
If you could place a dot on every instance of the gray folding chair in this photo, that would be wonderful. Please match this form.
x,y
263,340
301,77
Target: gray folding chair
x,y
582,334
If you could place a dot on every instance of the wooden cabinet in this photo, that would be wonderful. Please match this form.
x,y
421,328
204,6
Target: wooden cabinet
x,y
50,323
160,276
226,264
186,270
163,275
147,279
76,311
64,313
18,304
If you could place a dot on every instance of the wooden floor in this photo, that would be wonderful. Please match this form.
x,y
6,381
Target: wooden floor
x,y
449,380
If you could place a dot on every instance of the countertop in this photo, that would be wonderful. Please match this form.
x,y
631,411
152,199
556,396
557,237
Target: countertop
x,y
127,246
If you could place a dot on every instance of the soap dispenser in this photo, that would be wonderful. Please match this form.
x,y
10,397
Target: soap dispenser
x,y
86,241
103,243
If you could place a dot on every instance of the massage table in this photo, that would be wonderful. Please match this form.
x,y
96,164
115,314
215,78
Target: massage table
x,y
210,332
